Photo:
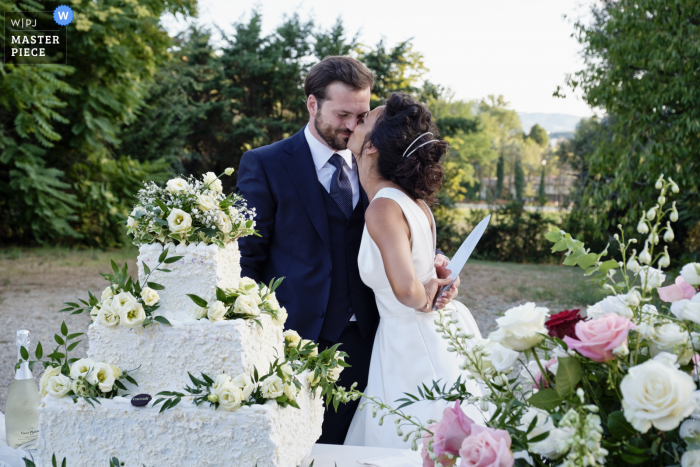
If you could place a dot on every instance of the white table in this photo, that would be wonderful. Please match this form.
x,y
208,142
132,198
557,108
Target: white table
x,y
329,455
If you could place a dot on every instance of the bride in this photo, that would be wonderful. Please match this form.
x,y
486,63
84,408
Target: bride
x,y
398,160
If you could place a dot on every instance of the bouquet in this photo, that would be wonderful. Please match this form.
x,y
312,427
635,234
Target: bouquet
x,y
247,302
189,211
617,385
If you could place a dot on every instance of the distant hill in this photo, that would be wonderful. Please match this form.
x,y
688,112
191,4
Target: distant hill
x,y
553,123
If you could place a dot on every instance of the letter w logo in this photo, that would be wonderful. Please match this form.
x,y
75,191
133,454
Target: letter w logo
x,y
63,15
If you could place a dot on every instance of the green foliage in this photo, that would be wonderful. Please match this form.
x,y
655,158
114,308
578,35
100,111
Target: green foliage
x,y
541,194
539,135
519,180
641,67
499,176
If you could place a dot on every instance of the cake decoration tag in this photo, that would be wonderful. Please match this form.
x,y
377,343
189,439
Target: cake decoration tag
x,y
140,400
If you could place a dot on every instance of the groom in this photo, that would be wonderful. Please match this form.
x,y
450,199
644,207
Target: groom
x,y
310,216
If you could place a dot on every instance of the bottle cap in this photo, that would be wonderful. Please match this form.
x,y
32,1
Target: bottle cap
x,y
22,341
23,338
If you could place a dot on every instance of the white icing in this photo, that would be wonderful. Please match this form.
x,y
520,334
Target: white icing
x,y
262,435
164,354
199,272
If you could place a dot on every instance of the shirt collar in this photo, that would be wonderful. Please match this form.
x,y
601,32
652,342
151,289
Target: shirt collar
x,y
322,153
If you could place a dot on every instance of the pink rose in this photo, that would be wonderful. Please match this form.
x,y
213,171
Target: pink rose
x,y
427,438
599,337
678,291
486,447
449,433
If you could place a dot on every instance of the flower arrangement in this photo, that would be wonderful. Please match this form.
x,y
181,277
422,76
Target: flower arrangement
x,y
73,377
190,210
125,302
247,302
616,385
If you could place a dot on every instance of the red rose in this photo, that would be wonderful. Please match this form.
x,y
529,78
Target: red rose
x,y
563,323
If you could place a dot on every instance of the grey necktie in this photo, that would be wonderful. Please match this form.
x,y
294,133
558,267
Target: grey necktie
x,y
341,190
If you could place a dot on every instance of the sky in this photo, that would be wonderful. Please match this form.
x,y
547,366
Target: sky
x,y
521,49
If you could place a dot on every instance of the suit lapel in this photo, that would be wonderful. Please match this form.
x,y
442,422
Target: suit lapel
x,y
301,169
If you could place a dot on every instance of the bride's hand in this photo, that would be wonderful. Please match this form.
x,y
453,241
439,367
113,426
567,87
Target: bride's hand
x,y
432,288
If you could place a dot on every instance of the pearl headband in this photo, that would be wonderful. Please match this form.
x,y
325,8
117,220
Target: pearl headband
x,y
420,146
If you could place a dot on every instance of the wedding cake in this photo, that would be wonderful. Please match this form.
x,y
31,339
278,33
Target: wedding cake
x,y
193,328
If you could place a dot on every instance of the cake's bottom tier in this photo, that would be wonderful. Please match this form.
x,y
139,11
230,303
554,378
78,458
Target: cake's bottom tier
x,y
262,435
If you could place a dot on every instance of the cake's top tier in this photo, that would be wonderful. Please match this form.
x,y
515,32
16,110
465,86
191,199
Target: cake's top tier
x,y
201,269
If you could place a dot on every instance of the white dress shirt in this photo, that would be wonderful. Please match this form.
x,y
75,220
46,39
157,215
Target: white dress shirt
x,y
324,169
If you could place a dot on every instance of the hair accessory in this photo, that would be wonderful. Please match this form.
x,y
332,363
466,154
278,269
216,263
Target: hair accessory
x,y
420,146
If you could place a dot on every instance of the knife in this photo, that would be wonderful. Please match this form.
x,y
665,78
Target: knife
x,y
460,258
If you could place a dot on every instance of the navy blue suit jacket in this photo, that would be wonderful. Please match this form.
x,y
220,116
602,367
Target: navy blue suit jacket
x,y
280,182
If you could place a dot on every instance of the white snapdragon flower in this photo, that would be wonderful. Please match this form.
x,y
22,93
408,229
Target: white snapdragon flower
x,y
216,311
150,296
179,221
58,386
176,185
213,182
131,315
49,373
522,327
651,278
272,387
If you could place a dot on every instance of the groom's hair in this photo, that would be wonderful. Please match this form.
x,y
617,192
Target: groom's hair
x,y
347,70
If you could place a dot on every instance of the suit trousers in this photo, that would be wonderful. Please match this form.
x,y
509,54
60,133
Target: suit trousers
x,y
359,350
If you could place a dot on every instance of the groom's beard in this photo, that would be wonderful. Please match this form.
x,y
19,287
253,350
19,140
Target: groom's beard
x,y
331,135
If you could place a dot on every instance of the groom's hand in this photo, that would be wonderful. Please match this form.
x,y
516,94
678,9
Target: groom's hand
x,y
441,263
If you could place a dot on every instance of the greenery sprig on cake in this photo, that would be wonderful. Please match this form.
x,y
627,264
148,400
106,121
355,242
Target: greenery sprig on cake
x,y
189,210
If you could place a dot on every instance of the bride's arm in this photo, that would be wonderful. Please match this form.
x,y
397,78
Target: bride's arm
x,y
389,229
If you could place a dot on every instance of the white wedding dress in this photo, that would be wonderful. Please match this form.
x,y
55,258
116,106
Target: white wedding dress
x,y
408,350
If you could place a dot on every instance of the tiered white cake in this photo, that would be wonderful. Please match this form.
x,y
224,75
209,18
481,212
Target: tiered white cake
x,y
162,356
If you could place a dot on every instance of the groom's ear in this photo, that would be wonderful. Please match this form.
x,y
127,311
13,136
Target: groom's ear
x,y
312,105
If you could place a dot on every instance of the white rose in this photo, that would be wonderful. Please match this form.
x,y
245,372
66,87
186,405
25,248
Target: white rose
x,y
79,388
542,425
290,390
654,393
176,185
669,338
271,302
272,387
691,274
246,304
521,327
557,443
213,182
107,293
150,296
690,432
200,312
286,369
102,375
107,316
228,225
503,359
313,380
131,315
292,337
220,381
216,311
651,278
281,317
334,373
690,459
49,373
122,299
179,221
58,386
619,304
246,384
230,397
205,202
687,309
81,368
246,282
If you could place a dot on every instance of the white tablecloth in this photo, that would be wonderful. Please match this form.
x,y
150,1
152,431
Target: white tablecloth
x,y
328,455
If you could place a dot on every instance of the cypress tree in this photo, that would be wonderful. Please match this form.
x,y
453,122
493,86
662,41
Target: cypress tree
x,y
499,176
519,179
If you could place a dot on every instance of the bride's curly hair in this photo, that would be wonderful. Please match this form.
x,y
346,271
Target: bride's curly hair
x,y
404,119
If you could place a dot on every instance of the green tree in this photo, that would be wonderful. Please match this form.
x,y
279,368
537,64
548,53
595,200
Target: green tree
x,y
641,66
519,180
539,135
499,175
541,193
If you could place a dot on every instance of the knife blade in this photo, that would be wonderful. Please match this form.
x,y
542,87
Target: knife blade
x,y
460,258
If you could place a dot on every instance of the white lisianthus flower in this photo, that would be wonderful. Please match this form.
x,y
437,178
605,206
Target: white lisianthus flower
x,y
503,359
150,296
131,315
107,293
213,182
102,375
292,337
690,432
654,393
691,274
286,369
49,373
313,380
230,397
81,368
687,309
117,371
179,221
671,338
176,185
290,390
272,387
206,202
651,278
216,311
271,302
281,317
107,316
334,373
246,304
79,388
521,327
220,381
245,282
228,171
619,304
690,459
314,352
246,384
58,386
122,299
199,313
228,225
